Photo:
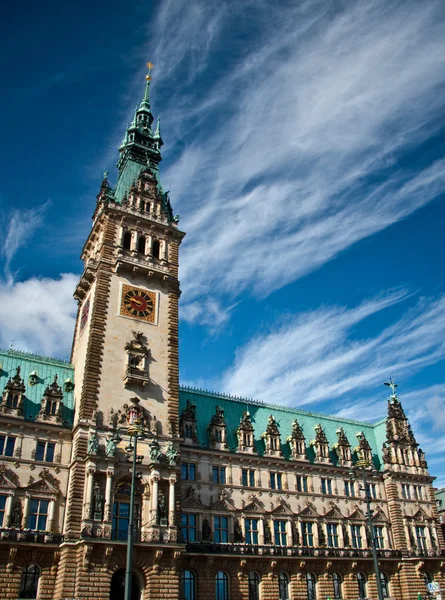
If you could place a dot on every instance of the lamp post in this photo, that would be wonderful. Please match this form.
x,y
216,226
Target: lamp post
x,y
361,467
136,432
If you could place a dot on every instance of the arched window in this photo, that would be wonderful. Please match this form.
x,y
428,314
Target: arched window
x,y
311,582
156,249
361,580
222,586
127,240
141,245
254,586
30,581
336,580
283,585
428,578
189,585
385,584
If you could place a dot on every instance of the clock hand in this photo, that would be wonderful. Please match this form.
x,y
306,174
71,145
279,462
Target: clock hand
x,y
138,302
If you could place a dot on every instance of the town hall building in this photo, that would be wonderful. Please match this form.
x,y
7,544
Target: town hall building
x,y
234,499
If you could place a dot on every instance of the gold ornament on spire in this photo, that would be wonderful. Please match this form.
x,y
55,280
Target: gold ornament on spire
x,y
150,65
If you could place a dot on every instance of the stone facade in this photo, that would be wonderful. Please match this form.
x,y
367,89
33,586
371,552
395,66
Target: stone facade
x,y
234,499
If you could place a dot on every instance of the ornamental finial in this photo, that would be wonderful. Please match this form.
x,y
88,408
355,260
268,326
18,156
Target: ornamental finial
x,y
150,66
392,385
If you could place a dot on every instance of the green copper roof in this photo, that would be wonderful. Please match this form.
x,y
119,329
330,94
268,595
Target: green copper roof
x,y
234,407
46,369
440,495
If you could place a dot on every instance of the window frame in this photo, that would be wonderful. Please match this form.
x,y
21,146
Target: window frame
x,y
326,486
38,514
311,586
362,584
276,480
220,529
280,532
337,582
252,533
283,586
190,593
222,577
44,455
219,474
332,536
307,533
23,593
302,483
187,526
6,441
356,539
254,582
187,468
3,508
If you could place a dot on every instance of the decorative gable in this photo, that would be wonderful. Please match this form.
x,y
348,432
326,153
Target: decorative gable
x,y
8,478
188,423
244,433
13,396
282,508
342,448
254,506
223,503
297,442
51,408
363,450
357,514
46,484
136,372
272,438
217,430
309,512
334,513
379,515
320,445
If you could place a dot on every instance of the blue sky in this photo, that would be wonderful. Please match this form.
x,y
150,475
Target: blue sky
x,y
305,152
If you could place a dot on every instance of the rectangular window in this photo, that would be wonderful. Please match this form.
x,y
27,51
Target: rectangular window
x,y
188,526
2,509
356,535
280,536
188,471
276,481
332,535
121,519
378,537
248,477
219,475
7,444
251,526
406,492
45,451
373,490
421,538
38,514
308,534
221,530
418,492
302,483
349,488
326,486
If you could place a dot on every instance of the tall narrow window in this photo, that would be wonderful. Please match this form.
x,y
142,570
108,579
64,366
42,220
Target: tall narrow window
x,y
406,492
121,519
30,581
373,490
356,534
280,533
221,530
283,585
188,524
248,477
222,586
45,451
308,534
219,475
361,580
349,488
251,526
7,444
302,483
254,586
421,538
311,586
127,240
38,514
326,486
378,537
188,471
336,581
332,535
189,585
276,481
2,509
141,245
156,249
384,579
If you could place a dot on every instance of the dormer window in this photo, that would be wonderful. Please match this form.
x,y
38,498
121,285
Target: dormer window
x,y
13,395
272,438
343,448
320,444
188,423
51,408
244,432
217,430
297,442
363,450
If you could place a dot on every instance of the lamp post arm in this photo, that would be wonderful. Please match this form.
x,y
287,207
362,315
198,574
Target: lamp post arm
x,y
130,538
372,537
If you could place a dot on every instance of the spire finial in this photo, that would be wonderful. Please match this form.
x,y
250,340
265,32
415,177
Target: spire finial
x,y
146,99
150,66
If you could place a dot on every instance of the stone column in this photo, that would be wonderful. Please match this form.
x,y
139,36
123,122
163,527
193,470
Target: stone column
x,y
134,240
26,510
89,493
51,512
149,245
341,539
154,497
164,250
108,486
121,235
288,533
8,510
171,502
261,531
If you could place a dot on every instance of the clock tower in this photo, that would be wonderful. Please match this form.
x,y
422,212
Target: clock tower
x,y
125,356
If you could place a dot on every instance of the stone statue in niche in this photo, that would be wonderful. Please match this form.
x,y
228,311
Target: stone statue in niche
x,y
16,516
98,502
162,509
267,534
110,448
155,451
206,531
93,445
237,532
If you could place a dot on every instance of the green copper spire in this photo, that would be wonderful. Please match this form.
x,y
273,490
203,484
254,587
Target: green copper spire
x,y
140,147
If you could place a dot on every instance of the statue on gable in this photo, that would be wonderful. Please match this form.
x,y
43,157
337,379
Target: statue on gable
x,y
171,454
110,448
155,451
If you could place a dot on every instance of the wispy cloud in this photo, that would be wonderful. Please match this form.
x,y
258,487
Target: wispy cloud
x,y
298,143
314,357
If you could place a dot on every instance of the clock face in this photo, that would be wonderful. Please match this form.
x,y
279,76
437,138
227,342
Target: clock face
x,y
138,303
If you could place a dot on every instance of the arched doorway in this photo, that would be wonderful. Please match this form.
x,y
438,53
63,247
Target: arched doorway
x,y
117,587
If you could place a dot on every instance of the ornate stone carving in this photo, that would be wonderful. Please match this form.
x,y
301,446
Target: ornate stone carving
x,y
272,438
137,350
52,405
217,430
245,434
13,395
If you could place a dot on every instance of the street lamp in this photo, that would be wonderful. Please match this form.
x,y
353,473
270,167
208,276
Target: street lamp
x,y
136,432
362,467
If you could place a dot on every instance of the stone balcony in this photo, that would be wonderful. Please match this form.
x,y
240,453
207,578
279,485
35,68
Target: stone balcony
x,y
30,537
